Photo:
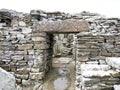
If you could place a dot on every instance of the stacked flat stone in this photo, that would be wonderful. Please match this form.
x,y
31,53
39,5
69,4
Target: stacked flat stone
x,y
27,52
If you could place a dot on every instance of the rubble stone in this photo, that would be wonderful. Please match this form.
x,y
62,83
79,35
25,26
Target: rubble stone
x,y
28,42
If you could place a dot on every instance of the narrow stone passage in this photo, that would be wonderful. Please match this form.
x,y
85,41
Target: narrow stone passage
x,y
61,76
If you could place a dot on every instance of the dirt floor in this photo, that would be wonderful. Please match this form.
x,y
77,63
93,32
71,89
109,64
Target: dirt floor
x,y
61,76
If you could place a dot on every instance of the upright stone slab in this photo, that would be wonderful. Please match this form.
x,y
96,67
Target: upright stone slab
x,y
7,80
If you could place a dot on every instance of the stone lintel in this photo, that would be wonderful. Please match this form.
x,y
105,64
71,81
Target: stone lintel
x,y
64,26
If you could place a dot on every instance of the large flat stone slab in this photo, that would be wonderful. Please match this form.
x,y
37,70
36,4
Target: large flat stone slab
x,y
96,74
95,67
116,87
7,80
114,62
64,26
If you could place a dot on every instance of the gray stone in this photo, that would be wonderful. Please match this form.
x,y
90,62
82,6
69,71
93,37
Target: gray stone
x,y
17,57
1,33
7,80
35,69
89,81
30,52
116,87
26,82
114,62
97,74
20,36
19,88
38,62
22,24
40,46
37,87
25,46
36,76
21,76
38,38
26,30
30,63
70,25
95,67
23,71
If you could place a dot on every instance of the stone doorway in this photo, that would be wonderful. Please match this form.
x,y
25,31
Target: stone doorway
x,y
61,76
62,73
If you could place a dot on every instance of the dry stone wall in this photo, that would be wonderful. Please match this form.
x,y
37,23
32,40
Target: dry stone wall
x,y
27,52
93,71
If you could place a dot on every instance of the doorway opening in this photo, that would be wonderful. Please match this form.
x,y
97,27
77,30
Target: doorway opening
x,y
62,74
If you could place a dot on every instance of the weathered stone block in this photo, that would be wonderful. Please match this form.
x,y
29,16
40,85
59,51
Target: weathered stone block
x,y
30,63
17,57
35,69
95,67
39,39
105,87
7,81
40,46
39,57
105,53
82,46
25,46
2,48
38,86
83,58
5,67
20,36
31,52
18,81
110,81
38,62
20,52
22,24
26,30
23,71
1,33
92,62
89,81
114,62
26,82
102,62
115,74
36,76
13,68
21,76
116,87
96,74
64,26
